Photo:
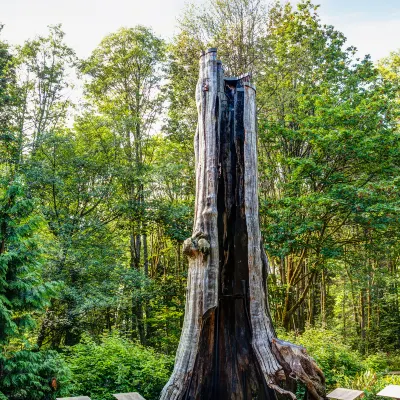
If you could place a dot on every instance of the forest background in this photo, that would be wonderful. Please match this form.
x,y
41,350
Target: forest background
x,y
96,198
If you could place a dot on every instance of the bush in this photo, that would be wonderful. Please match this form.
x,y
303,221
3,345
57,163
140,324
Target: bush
x,y
116,365
377,362
394,361
28,375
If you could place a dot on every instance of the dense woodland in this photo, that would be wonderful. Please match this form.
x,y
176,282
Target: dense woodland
x,y
97,192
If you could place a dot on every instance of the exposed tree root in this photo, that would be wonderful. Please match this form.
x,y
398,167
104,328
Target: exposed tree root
x,y
297,364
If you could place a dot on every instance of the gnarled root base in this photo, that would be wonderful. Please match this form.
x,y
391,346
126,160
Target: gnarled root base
x,y
297,364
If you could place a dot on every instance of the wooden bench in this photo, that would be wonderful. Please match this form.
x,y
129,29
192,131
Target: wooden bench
x,y
74,398
392,391
345,394
128,396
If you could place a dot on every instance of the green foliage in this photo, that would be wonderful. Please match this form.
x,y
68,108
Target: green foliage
x,y
32,375
24,373
383,362
44,67
116,366
23,291
72,174
328,139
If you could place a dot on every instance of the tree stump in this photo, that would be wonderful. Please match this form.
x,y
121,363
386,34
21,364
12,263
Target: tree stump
x,y
228,349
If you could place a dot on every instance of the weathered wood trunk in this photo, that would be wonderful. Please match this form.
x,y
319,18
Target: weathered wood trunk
x,y
228,348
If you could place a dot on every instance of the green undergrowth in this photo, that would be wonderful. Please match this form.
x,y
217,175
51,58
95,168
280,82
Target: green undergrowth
x,y
116,365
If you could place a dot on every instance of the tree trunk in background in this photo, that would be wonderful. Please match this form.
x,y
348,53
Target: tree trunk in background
x,y
228,348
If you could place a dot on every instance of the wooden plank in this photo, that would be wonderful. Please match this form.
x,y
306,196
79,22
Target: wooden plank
x,y
128,396
345,394
390,391
74,398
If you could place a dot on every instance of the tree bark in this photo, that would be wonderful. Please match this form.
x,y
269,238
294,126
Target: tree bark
x,y
228,348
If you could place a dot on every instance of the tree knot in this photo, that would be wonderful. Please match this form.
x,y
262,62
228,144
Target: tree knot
x,y
195,245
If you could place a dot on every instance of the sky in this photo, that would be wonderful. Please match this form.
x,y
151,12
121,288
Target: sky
x,y
373,26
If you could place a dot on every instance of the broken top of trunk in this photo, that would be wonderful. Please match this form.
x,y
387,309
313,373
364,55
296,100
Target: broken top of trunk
x,y
228,348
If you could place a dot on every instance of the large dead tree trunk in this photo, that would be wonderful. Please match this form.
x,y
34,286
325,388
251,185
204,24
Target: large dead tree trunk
x,y
228,349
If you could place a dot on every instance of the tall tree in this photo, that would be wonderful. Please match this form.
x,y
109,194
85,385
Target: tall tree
x,y
44,68
73,175
126,73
